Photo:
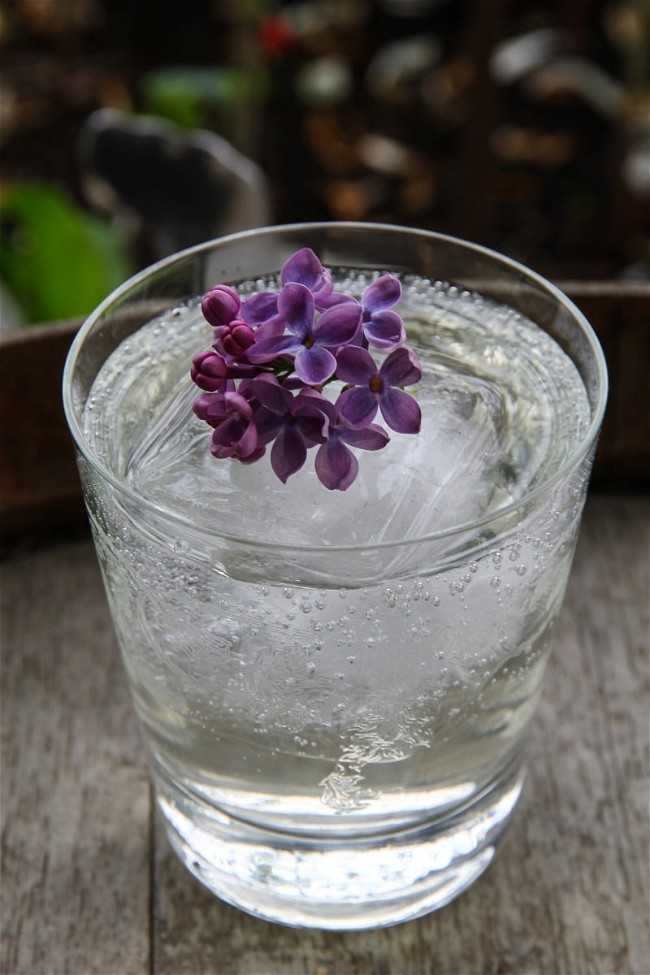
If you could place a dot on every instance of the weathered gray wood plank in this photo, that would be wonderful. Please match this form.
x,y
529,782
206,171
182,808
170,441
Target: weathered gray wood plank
x,y
75,837
568,894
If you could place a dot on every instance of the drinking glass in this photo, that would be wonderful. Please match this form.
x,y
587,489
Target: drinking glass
x,y
335,687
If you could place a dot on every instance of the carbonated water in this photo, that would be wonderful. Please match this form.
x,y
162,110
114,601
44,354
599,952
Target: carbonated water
x,y
349,662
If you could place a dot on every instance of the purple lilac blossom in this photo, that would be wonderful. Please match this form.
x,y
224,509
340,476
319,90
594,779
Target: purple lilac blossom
x,y
311,339
303,268
273,353
335,464
293,423
373,389
231,415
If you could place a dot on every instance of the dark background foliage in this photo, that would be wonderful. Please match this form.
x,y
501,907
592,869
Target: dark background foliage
x,y
522,124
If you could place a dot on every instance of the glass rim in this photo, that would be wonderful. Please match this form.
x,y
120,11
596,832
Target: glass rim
x,y
461,529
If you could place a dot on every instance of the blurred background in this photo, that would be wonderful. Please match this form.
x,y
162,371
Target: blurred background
x,y
521,124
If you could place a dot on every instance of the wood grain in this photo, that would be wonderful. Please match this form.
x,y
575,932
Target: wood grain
x,y
75,837
39,485
620,315
91,886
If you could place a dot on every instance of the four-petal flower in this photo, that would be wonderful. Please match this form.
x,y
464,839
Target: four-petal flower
x,y
302,268
292,423
335,464
312,340
373,389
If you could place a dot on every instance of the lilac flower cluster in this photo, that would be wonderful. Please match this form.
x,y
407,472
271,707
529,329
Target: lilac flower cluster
x,y
275,351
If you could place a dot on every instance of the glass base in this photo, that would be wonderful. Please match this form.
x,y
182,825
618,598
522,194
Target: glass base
x,y
341,883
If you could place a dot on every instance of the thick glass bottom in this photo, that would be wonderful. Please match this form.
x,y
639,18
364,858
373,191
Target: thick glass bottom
x,y
342,883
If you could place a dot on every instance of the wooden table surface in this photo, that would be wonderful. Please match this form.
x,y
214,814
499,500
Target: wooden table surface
x,y
90,884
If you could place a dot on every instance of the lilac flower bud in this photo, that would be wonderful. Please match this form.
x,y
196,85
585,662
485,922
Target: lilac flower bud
x,y
209,371
232,340
220,305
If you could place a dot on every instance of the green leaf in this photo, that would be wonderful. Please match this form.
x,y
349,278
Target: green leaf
x,y
57,261
197,97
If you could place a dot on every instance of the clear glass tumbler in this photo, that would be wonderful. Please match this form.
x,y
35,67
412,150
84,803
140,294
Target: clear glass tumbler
x,y
335,687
